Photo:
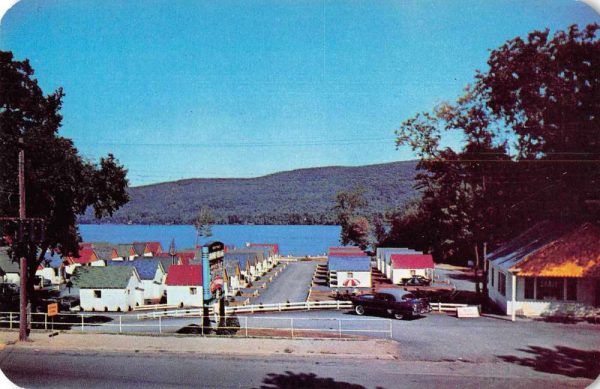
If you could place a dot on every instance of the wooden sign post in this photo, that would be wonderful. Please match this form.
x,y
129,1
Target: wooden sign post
x,y
52,311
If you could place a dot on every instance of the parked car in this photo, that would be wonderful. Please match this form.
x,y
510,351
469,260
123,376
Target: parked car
x,y
395,302
416,281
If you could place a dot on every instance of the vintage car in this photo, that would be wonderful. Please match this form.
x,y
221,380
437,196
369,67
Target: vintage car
x,y
416,281
395,302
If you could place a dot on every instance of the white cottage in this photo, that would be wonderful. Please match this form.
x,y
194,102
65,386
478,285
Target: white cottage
x,y
406,266
551,269
108,288
184,285
349,271
152,276
387,259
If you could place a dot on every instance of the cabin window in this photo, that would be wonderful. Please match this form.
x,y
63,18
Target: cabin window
x,y
572,289
492,276
549,288
350,274
502,283
193,291
98,294
529,288
413,273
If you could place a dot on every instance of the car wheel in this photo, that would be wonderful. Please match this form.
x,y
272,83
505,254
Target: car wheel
x,y
360,310
398,316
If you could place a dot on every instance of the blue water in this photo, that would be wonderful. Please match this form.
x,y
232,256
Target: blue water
x,y
292,240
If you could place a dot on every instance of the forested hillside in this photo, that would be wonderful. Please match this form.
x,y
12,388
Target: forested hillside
x,y
304,196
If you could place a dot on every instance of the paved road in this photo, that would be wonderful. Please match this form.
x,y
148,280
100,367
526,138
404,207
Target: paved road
x,y
569,349
292,285
40,369
461,280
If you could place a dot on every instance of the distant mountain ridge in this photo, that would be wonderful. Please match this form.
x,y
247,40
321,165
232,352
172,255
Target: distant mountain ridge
x,y
303,196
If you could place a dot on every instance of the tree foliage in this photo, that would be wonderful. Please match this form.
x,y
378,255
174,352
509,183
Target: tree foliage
x,y
60,184
354,226
531,150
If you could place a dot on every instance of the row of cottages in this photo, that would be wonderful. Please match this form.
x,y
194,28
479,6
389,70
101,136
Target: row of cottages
x,y
114,288
551,269
348,267
271,250
58,270
399,264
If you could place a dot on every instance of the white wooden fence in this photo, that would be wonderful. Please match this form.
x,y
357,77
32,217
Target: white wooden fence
x,y
299,306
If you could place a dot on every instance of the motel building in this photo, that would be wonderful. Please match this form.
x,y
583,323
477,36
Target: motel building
x,y
551,269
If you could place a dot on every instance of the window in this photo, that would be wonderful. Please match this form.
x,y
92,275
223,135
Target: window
x,y
350,274
550,288
492,276
529,288
413,272
97,294
193,291
572,289
502,283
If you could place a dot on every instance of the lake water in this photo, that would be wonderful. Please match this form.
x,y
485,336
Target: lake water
x,y
292,240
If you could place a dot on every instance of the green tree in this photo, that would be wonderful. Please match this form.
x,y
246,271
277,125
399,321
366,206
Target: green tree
x,y
547,89
60,184
203,223
348,205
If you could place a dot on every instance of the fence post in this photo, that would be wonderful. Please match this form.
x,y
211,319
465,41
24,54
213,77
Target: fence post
x,y
160,324
308,305
339,326
279,306
439,306
391,329
338,304
120,325
246,325
81,323
10,317
45,321
292,325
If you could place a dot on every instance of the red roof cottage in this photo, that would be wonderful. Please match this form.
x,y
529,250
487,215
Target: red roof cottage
x,y
405,266
184,285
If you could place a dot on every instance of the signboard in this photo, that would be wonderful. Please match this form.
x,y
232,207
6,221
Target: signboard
x,y
470,311
214,247
52,309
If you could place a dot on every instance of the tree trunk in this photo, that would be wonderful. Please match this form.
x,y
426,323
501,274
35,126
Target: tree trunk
x,y
477,286
485,274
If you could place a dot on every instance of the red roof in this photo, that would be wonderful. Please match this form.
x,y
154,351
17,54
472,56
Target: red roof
x,y
412,261
347,253
154,247
185,275
85,256
86,245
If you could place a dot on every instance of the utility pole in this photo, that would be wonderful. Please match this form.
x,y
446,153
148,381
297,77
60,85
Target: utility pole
x,y
23,260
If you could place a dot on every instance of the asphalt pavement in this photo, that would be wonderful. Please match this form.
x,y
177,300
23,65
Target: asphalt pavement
x,y
291,285
460,279
41,369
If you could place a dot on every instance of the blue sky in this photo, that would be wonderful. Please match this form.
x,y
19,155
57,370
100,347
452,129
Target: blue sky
x,y
180,89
